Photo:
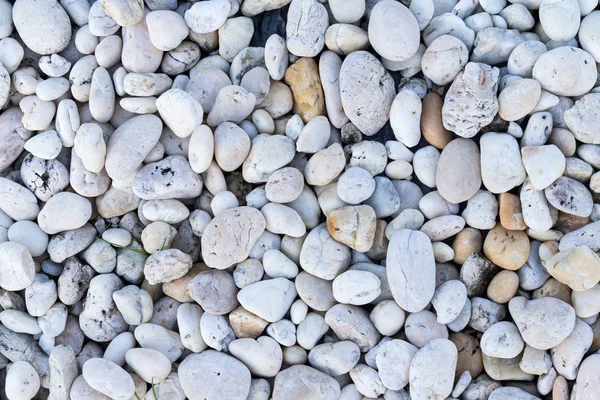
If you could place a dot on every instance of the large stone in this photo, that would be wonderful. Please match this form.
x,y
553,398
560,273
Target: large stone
x,y
305,83
410,268
579,268
458,175
300,382
229,237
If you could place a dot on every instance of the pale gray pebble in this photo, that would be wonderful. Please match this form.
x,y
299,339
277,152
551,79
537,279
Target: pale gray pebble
x,y
301,381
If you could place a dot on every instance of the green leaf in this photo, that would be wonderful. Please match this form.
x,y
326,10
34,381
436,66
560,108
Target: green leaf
x,y
140,251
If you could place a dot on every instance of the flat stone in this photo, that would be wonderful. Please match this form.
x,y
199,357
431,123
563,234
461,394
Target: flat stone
x,y
458,175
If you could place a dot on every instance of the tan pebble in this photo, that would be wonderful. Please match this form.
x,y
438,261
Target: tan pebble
x,y
305,83
579,268
547,250
503,287
380,242
431,121
465,243
245,324
560,389
469,354
507,249
511,214
553,288
568,222
155,291
353,226
179,288
280,124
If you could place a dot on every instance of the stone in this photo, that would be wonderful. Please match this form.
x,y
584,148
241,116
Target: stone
x,y
540,170
444,59
426,381
17,201
412,291
511,213
334,359
302,382
541,333
449,300
207,17
270,299
215,291
17,269
507,249
567,356
367,92
356,287
393,31
502,340
458,175
405,118
352,323
432,127
44,28
353,226
108,378
471,102
579,268
570,196
575,74
307,21
263,356
305,83
587,380
22,381
524,92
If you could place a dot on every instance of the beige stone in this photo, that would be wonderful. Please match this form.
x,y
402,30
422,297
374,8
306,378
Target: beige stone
x,y
305,83
465,243
553,288
505,369
503,286
378,250
507,249
568,222
245,324
511,214
179,288
354,226
560,389
547,250
469,354
579,268
432,127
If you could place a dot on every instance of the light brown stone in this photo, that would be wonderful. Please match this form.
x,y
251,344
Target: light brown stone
x,y
380,242
353,226
305,83
511,214
432,127
179,288
505,369
560,389
507,249
245,324
579,268
503,286
553,288
568,222
465,243
469,354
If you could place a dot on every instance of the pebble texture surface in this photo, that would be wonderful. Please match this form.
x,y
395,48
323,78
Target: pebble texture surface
x,y
299,199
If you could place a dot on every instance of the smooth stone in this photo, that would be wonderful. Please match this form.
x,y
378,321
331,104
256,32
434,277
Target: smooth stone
x,y
253,297
570,196
541,333
458,175
485,313
334,359
567,356
17,201
305,29
444,58
426,381
309,102
22,381
393,31
575,71
356,287
448,300
352,323
422,327
302,382
263,356
108,378
544,164
471,102
587,378
44,28
579,268
211,374
366,104
17,269
353,226
502,340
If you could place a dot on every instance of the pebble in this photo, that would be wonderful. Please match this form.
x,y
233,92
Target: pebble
x,y
367,105
393,31
108,378
444,59
578,268
449,300
301,381
22,381
305,84
356,287
575,77
412,291
458,175
44,28
306,35
424,382
541,172
281,293
543,334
